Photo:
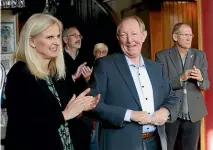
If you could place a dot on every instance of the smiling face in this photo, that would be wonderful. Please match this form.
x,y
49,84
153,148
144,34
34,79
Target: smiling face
x,y
47,42
131,38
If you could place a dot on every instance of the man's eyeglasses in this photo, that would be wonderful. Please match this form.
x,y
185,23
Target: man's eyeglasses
x,y
185,35
101,52
76,36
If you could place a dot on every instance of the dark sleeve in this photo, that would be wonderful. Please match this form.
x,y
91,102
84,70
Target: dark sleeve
x,y
32,119
111,114
80,85
171,101
77,86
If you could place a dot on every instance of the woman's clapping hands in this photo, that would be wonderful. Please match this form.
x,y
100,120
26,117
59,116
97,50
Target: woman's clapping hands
x,y
79,104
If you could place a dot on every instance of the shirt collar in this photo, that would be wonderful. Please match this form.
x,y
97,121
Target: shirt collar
x,y
71,53
131,64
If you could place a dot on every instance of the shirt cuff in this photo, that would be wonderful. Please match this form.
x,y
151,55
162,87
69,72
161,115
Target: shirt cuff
x,y
73,78
199,83
128,115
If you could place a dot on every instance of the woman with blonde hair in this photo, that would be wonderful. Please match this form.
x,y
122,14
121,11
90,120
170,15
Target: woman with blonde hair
x,y
38,113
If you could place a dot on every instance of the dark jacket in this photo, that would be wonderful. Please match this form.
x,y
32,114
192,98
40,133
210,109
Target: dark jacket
x,y
114,82
71,67
34,114
80,128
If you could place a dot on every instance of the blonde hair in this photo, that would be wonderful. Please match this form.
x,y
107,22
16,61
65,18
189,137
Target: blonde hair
x,y
100,47
140,23
24,52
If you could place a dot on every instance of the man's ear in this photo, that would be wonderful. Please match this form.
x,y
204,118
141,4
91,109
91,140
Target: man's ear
x,y
144,35
174,37
32,43
65,39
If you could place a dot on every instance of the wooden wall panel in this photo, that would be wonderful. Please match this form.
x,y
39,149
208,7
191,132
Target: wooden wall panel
x,y
162,22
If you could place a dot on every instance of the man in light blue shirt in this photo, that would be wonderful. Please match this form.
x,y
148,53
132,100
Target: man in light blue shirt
x,y
136,95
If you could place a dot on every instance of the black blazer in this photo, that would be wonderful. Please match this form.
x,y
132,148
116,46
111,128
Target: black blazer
x,y
34,114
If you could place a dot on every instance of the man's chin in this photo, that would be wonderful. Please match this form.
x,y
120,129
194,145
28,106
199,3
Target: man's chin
x,y
77,47
132,55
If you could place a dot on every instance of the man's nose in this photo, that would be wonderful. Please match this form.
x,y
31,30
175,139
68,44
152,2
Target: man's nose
x,y
129,38
188,38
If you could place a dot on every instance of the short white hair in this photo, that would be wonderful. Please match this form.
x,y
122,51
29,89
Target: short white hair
x,y
100,47
140,23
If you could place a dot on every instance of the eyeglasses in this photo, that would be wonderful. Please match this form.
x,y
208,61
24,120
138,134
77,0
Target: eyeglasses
x,y
185,35
76,36
101,52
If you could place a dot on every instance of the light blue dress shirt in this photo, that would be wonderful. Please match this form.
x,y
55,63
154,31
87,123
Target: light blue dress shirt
x,y
144,89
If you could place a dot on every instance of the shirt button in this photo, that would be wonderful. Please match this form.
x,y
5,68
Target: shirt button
x,y
148,128
146,98
148,113
142,86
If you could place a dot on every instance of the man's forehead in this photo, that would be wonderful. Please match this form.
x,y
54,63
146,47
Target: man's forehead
x,y
129,21
73,30
129,24
185,28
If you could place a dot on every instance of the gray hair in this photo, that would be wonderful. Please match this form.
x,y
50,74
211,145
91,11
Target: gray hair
x,y
100,47
177,26
65,32
140,23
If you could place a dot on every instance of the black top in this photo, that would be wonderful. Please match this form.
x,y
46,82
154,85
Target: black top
x,y
80,128
71,67
34,114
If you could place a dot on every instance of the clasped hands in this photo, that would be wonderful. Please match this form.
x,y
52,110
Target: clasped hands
x,y
158,118
192,74
83,70
79,104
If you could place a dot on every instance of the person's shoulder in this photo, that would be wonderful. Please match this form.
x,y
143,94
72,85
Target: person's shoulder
x,y
151,62
67,57
18,66
18,69
197,51
65,53
110,57
164,51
